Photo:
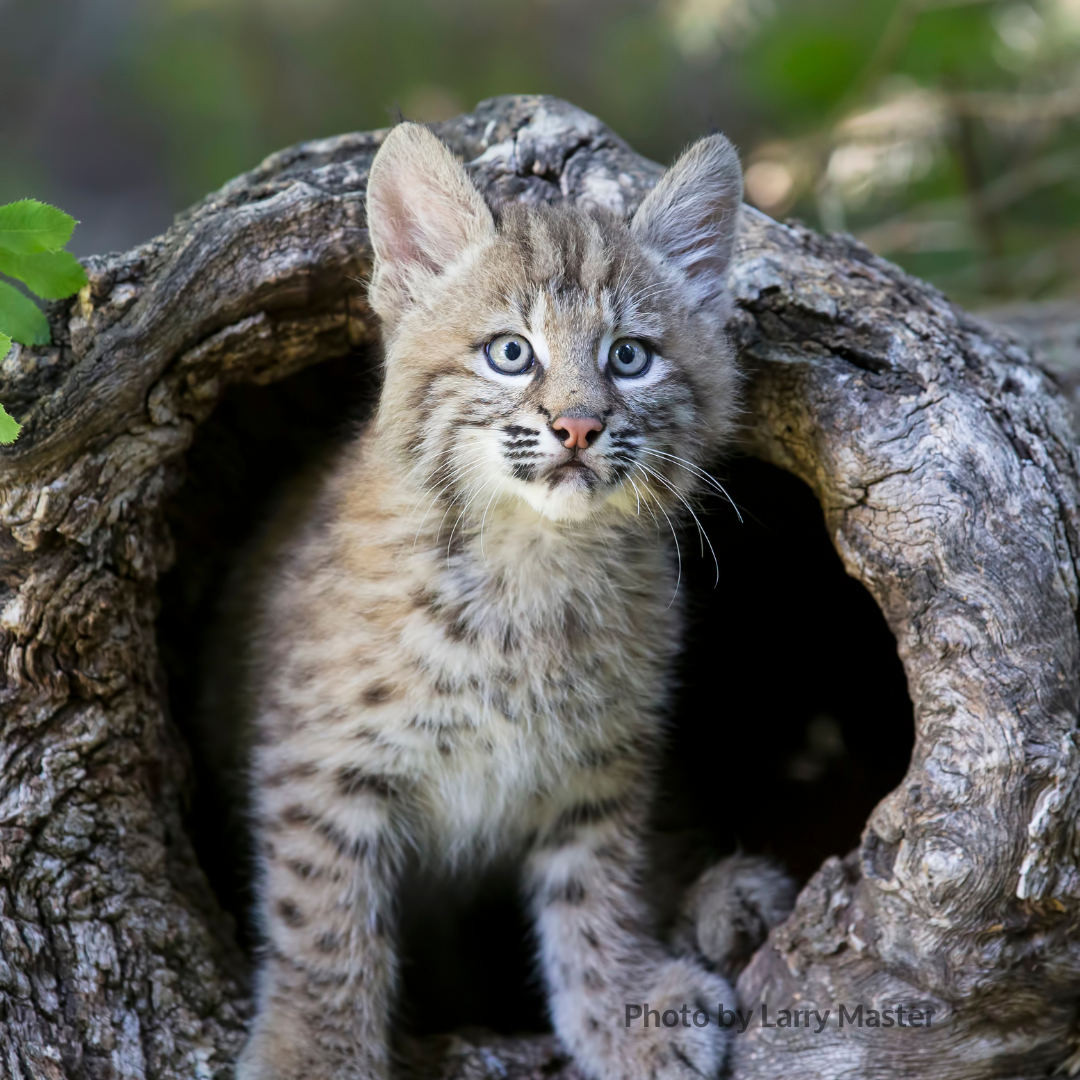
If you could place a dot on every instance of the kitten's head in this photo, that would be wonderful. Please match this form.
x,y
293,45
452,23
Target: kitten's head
x,y
567,358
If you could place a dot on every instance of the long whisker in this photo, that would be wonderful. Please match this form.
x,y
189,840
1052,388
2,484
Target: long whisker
x,y
434,476
472,499
701,531
678,550
431,503
424,485
483,521
646,501
459,472
451,503
707,477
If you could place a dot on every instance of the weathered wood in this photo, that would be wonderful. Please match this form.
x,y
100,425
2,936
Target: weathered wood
x,y
945,464
946,469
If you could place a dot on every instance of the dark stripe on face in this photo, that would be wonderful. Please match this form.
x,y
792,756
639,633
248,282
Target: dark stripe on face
x,y
423,390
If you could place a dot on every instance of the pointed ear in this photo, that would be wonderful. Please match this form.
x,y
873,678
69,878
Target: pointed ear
x,y
423,212
691,215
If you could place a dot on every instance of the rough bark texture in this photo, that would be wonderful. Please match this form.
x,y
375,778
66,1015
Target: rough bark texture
x,y
945,464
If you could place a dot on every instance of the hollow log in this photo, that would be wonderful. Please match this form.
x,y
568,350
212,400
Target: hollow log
x,y
943,458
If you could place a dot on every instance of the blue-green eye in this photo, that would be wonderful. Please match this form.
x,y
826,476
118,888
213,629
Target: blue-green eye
x,y
511,354
629,357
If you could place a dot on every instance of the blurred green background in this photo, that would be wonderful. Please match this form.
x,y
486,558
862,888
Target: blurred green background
x,y
941,132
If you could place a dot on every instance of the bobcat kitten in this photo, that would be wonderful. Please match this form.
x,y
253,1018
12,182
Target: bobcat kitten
x,y
466,652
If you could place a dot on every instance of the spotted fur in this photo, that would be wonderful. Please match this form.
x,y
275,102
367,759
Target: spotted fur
x,y
466,653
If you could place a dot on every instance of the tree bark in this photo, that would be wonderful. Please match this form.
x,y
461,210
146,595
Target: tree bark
x,y
943,458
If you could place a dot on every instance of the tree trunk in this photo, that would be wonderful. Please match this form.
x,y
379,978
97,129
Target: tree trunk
x,y
944,461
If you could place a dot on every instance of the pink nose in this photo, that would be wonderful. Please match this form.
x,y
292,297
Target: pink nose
x,y
578,429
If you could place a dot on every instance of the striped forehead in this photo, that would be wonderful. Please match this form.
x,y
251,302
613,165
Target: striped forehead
x,y
565,251
576,268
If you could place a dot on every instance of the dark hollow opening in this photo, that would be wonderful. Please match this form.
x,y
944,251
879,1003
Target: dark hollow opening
x,y
793,718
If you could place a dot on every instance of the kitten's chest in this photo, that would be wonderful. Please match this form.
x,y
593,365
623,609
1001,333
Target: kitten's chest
x,y
532,672
556,640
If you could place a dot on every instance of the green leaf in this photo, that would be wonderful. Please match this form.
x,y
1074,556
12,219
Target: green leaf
x,y
29,226
21,318
9,427
52,275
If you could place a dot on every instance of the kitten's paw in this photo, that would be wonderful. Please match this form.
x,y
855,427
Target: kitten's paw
x,y
730,909
264,1058
284,1049
620,1047
273,1055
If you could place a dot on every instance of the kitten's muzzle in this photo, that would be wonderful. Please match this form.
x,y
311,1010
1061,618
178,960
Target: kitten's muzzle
x,y
577,432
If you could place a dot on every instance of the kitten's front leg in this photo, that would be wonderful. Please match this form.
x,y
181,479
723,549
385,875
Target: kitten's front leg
x,y
599,955
328,874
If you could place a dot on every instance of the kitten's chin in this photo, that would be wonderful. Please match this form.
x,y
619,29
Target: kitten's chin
x,y
571,500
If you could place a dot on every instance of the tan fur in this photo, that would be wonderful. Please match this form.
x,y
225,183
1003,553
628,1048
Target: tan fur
x,y
465,651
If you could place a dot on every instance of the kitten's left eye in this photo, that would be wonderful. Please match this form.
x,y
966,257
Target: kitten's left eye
x,y
629,357
511,354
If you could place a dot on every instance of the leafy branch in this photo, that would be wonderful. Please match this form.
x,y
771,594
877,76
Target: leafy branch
x,y
32,238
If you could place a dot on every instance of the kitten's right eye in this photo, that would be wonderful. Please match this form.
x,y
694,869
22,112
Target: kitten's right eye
x,y
511,354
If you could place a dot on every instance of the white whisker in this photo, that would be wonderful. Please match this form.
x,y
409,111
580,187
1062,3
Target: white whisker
x,y
451,503
697,471
472,499
457,474
678,550
483,521
647,503
701,531
433,477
